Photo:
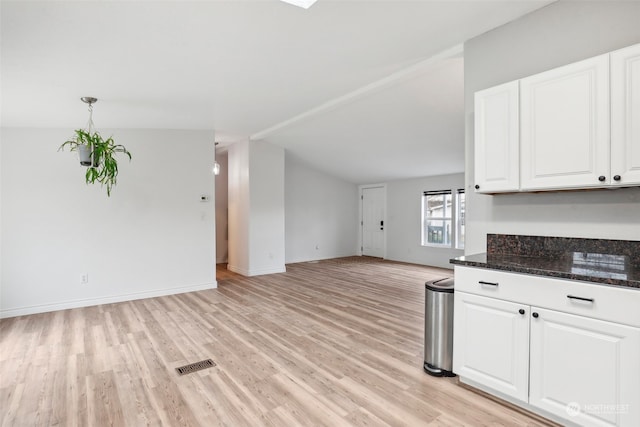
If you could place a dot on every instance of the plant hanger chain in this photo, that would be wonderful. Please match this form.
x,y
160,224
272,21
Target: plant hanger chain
x,y
90,125
90,100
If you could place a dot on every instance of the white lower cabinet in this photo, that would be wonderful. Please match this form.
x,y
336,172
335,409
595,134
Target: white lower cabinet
x,y
552,346
585,369
492,344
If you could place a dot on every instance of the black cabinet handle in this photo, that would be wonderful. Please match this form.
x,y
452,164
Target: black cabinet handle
x,y
477,187
601,178
521,311
535,315
482,282
617,177
580,298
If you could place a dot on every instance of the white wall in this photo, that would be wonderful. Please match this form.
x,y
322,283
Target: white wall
x,y
256,208
404,222
267,247
222,218
238,198
321,214
153,236
555,35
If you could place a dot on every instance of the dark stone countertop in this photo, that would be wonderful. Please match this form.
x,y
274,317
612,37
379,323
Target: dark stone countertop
x,y
616,270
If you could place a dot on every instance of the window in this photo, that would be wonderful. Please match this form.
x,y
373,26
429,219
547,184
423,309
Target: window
x,y
436,218
443,218
460,218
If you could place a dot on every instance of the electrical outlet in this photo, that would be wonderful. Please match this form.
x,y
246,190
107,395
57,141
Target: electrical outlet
x,y
84,279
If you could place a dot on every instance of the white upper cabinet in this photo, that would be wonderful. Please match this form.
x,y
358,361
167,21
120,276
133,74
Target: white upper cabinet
x,y
564,123
573,127
625,116
496,139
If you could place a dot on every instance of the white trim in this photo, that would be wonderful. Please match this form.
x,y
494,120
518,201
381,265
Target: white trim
x,y
516,402
44,308
238,270
257,272
322,258
383,83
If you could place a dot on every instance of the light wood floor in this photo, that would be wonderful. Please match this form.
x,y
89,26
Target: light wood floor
x,y
332,343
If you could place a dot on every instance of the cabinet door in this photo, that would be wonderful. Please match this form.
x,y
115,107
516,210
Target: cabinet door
x,y
585,370
497,139
491,343
565,127
625,116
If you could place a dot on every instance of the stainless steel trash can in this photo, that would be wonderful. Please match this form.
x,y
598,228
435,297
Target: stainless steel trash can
x,y
438,327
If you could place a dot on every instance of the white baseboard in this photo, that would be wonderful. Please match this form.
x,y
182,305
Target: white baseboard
x,y
257,272
516,402
237,269
320,258
271,270
44,308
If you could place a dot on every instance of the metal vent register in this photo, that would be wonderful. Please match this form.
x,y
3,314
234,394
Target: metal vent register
x,y
193,367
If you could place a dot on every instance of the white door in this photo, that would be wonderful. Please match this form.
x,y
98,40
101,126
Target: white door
x,y
491,343
373,221
585,370
564,126
497,139
625,116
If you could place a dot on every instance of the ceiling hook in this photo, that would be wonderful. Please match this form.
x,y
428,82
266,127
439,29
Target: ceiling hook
x,y
89,100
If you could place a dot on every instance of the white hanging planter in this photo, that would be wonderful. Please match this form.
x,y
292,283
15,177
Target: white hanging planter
x,y
84,153
95,152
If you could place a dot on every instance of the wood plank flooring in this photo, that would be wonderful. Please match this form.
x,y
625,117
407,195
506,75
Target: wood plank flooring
x,y
332,343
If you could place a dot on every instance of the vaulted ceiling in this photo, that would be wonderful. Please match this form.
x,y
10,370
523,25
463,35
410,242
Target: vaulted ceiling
x,y
366,90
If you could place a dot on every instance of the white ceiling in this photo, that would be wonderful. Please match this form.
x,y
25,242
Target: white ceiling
x,y
366,90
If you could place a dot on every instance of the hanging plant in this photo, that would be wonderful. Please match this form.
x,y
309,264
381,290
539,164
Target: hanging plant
x,y
97,153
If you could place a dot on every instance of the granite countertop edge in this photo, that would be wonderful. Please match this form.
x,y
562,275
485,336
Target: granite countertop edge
x,y
509,267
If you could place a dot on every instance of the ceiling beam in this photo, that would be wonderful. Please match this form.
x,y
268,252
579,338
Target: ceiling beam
x,y
385,82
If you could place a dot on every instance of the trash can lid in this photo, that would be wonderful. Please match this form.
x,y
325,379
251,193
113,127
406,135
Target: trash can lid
x,y
440,285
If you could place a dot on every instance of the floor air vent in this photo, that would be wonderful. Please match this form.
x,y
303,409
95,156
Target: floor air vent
x,y
193,367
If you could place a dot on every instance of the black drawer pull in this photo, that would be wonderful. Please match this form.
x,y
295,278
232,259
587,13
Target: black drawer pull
x,y
482,282
580,298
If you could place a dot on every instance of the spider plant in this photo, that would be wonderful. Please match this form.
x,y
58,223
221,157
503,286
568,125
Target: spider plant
x,y
101,161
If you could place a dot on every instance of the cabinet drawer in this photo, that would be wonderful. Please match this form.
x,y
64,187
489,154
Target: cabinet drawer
x,y
611,303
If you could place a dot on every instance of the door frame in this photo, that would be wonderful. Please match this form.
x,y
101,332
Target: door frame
x,y
361,189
